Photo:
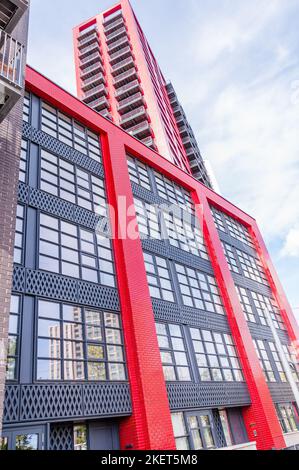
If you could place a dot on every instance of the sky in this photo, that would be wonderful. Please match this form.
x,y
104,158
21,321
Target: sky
x,y
235,67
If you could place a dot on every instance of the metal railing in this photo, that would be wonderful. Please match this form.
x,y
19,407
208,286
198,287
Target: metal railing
x,y
11,59
116,33
118,43
127,87
130,99
99,102
91,68
89,58
121,64
124,75
143,126
94,90
114,24
83,41
93,79
117,54
133,114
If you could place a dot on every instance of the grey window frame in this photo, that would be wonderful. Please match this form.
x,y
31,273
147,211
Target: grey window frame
x,y
85,341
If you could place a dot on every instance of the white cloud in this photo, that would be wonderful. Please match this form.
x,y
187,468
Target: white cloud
x,y
291,245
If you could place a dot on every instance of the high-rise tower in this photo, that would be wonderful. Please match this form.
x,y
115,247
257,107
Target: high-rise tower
x,y
118,76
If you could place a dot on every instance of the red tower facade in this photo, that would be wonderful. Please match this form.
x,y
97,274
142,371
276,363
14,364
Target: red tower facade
x,y
118,76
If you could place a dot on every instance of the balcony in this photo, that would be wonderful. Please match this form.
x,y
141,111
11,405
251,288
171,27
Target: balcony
x,y
140,131
149,142
99,104
88,72
88,32
125,78
112,17
120,55
119,33
98,92
128,104
106,114
12,57
93,81
10,14
122,66
89,50
117,45
93,38
133,117
91,59
109,28
127,90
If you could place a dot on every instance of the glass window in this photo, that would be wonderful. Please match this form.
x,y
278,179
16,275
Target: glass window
x,y
27,442
216,356
183,235
290,353
264,356
23,161
78,344
288,417
147,218
80,437
230,258
180,431
71,133
173,193
218,219
158,277
173,352
19,235
67,249
139,173
13,338
199,290
238,231
251,267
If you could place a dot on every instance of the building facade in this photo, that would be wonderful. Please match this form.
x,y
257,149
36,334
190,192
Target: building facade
x,y
118,76
13,43
139,309
156,338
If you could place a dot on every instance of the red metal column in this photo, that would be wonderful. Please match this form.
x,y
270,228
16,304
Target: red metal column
x,y
150,425
260,418
276,287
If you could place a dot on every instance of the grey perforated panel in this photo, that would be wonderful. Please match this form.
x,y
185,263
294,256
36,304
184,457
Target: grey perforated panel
x,y
55,286
170,312
207,395
252,285
65,401
281,392
61,437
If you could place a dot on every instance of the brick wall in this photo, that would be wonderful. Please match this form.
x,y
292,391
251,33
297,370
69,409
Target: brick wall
x,y
10,147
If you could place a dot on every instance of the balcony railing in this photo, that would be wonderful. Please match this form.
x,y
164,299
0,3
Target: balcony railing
x,y
113,25
127,88
130,101
123,77
122,52
132,116
93,47
118,43
11,60
99,103
93,91
95,79
115,34
88,40
90,58
123,64
142,128
92,68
